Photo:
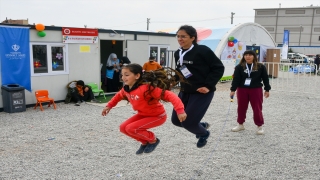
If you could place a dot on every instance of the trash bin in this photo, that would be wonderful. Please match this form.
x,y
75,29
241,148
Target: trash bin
x,y
13,98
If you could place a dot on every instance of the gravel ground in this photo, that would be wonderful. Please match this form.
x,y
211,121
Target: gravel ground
x,y
78,143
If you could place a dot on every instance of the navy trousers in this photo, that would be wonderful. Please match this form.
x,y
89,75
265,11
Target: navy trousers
x,y
196,106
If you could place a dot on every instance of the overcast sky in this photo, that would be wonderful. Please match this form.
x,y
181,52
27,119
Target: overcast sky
x,y
133,14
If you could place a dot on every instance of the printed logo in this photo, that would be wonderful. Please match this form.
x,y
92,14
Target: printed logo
x,y
66,31
15,47
133,97
15,54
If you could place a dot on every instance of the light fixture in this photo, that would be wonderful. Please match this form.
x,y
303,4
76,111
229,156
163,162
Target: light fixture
x,y
113,42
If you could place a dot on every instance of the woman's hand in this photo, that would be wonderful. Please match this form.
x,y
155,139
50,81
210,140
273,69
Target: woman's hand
x,y
105,111
232,94
203,90
182,117
266,94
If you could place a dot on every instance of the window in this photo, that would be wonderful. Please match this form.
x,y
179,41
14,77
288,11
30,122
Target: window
x,y
270,29
291,11
294,29
266,12
160,53
48,59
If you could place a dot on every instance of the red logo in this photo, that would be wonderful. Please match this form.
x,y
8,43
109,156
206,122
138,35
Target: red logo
x,y
66,31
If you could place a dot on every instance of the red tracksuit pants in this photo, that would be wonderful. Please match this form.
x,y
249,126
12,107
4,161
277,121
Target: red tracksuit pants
x,y
255,97
137,127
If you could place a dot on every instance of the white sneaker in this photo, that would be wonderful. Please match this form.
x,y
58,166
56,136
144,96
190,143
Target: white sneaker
x,y
240,127
260,130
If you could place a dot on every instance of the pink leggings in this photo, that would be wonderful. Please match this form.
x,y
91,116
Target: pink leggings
x,y
137,127
255,97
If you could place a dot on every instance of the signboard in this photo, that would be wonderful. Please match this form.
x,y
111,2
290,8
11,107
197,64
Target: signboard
x,y
79,35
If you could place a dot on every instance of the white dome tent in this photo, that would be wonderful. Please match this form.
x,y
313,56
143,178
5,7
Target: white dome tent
x,y
247,34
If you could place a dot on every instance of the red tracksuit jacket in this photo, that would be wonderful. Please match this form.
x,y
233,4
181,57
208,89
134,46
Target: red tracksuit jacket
x,y
140,104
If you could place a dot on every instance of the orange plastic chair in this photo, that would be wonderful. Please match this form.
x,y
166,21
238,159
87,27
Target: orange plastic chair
x,y
43,96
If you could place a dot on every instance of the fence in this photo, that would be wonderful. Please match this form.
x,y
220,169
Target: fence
x,y
302,78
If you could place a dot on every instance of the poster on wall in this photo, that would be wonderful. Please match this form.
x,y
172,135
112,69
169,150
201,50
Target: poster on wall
x,y
79,35
233,52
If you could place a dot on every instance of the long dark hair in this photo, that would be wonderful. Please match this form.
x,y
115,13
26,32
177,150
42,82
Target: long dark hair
x,y
191,31
255,62
164,79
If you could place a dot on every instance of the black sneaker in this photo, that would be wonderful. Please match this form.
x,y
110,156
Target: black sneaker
x,y
78,103
151,147
205,125
203,140
141,149
95,101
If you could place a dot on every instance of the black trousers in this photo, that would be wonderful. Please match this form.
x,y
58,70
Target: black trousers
x,y
196,105
87,96
113,84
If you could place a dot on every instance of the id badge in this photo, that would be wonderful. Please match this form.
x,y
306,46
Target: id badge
x,y
185,71
247,82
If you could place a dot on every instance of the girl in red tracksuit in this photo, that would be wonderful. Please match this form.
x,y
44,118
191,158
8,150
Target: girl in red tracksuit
x,y
144,92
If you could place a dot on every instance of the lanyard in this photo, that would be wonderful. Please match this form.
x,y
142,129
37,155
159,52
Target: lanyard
x,y
182,54
249,71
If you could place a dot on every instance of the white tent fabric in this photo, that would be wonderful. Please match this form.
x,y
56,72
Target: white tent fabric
x,y
247,33
217,39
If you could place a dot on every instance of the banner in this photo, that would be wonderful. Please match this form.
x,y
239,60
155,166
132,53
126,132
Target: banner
x,y
285,46
79,35
15,56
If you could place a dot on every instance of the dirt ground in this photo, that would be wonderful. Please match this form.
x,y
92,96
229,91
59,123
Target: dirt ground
x,y
223,86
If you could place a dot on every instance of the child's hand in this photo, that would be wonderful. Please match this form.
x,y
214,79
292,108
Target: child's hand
x,y
182,117
105,111
86,89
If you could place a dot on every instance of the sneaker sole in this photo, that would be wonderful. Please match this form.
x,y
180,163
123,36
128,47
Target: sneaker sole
x,y
237,130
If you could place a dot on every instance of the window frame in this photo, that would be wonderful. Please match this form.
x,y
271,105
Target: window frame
x,y
49,59
158,57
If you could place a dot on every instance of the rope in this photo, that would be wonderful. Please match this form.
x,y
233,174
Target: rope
x,y
216,145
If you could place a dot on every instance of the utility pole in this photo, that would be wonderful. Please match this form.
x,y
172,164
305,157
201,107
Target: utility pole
x,y
232,13
148,21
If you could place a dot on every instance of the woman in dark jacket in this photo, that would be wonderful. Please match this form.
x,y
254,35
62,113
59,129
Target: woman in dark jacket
x,y
202,70
248,75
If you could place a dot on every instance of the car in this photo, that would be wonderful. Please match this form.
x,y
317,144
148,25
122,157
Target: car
x,y
311,57
297,58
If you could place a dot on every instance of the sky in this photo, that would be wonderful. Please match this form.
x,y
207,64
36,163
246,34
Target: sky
x,y
164,15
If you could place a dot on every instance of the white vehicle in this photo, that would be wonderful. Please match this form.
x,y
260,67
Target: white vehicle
x,y
297,58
